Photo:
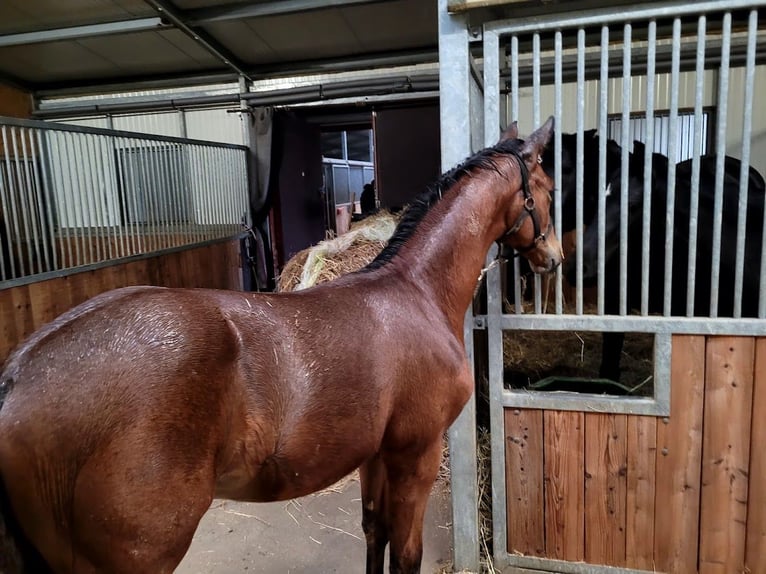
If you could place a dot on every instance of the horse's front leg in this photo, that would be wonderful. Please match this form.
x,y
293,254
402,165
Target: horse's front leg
x,y
372,478
411,477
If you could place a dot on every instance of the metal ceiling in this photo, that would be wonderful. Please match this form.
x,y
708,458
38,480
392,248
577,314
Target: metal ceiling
x,y
53,47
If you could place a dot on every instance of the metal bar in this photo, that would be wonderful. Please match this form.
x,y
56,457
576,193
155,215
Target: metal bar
x,y
697,152
165,198
95,216
30,193
136,190
106,202
153,192
580,160
491,89
23,199
244,10
627,87
205,40
87,31
176,194
196,178
15,235
454,100
43,205
608,15
83,194
517,294
673,159
536,122
558,107
62,199
648,153
637,324
723,108
602,130
6,197
51,126
744,174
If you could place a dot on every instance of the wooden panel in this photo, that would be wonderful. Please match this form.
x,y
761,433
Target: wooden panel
x,y
755,554
564,439
524,480
726,454
26,308
679,452
605,488
642,453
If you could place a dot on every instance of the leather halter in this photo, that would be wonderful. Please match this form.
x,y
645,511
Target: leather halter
x,y
529,211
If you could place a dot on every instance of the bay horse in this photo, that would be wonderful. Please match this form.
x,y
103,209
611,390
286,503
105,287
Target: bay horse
x,y
122,419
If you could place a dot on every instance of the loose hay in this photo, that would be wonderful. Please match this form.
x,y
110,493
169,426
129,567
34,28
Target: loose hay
x,y
332,258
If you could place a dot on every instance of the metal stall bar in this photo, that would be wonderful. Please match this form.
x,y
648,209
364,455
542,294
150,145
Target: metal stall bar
x,y
536,122
22,197
744,173
723,108
672,160
88,188
455,122
518,303
558,112
44,201
695,182
648,154
33,207
580,161
624,166
602,129
15,209
75,221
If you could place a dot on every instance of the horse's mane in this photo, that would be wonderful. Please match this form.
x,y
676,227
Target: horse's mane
x,y
417,210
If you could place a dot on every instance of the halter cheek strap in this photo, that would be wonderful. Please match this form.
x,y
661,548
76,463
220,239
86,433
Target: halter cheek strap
x,y
529,211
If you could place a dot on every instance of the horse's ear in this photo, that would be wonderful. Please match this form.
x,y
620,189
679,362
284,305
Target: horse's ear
x,y
510,133
590,134
535,144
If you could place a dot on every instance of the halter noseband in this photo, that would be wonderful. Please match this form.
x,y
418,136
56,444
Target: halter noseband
x,y
529,211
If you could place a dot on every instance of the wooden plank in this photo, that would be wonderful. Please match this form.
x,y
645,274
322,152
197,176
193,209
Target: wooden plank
x,y
524,481
8,334
726,453
679,453
755,546
22,312
642,453
605,488
564,480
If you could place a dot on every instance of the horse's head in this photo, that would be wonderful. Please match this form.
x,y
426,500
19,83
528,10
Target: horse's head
x,y
529,226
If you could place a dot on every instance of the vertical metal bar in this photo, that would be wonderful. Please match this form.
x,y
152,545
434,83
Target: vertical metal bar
x,y
186,167
135,189
16,235
91,193
696,153
519,305
52,211
723,108
66,211
7,202
32,206
536,121
603,131
672,160
627,88
75,188
207,193
165,198
558,105
649,149
44,206
22,198
579,191
175,196
195,194
106,195
153,194
219,183
491,88
744,174
454,101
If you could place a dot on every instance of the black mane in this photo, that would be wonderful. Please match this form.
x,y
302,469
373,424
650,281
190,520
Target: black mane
x,y
416,212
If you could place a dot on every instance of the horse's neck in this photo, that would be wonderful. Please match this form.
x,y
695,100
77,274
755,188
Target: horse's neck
x,y
445,256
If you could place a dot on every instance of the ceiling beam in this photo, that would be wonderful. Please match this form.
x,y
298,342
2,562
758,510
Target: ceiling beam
x,y
75,32
169,12
272,8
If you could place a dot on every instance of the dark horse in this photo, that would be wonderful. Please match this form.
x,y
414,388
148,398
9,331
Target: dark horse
x,y
613,342
122,419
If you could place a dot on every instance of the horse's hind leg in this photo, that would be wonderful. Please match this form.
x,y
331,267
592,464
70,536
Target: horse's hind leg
x,y
411,477
372,476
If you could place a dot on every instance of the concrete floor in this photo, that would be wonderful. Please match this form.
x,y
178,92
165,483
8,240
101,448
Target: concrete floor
x,y
320,533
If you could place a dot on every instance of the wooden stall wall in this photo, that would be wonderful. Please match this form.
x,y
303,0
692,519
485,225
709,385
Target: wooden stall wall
x,y
682,494
26,308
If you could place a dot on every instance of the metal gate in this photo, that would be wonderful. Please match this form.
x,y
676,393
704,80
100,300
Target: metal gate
x,y
595,482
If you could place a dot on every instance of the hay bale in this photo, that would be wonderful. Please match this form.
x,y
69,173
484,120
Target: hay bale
x,y
335,257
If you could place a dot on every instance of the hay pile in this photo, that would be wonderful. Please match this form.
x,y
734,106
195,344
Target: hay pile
x,y
335,257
